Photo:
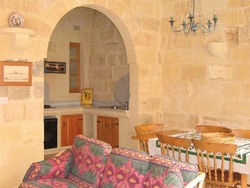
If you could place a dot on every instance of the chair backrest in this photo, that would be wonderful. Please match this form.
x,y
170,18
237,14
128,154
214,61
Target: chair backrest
x,y
143,141
174,146
145,132
148,128
241,133
216,168
212,128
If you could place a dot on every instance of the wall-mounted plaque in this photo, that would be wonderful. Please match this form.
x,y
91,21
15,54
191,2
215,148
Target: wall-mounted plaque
x,y
54,67
87,96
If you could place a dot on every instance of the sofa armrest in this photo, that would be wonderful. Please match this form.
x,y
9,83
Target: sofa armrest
x,y
57,166
60,152
197,182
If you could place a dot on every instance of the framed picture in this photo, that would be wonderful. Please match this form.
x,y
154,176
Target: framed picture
x,y
87,96
54,67
15,73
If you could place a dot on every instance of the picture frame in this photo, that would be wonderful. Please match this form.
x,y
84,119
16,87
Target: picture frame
x,y
55,67
15,73
87,96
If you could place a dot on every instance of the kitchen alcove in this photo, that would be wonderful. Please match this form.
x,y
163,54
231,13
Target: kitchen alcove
x,y
102,55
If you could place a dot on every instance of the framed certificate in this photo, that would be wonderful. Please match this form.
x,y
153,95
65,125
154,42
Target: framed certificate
x,y
15,73
87,96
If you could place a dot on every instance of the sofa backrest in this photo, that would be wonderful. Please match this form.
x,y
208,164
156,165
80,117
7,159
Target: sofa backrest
x,y
126,168
90,157
167,171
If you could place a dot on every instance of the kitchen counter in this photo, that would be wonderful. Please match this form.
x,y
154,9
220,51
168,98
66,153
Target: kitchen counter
x,y
90,115
86,109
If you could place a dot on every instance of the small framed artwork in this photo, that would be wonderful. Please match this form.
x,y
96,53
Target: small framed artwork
x,y
87,96
54,67
15,73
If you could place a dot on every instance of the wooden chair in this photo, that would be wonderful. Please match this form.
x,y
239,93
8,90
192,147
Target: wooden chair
x,y
215,169
148,128
241,133
145,132
170,145
212,128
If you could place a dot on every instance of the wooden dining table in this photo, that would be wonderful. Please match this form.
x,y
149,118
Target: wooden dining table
x,y
241,160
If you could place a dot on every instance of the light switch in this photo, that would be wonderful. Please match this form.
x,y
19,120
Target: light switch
x,y
3,100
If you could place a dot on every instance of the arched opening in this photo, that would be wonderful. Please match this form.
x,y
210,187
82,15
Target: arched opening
x,y
104,56
113,53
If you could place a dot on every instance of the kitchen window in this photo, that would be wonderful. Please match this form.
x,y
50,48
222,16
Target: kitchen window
x,y
74,67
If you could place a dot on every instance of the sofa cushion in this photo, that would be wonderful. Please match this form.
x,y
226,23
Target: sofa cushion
x,y
57,166
126,168
160,176
90,157
48,183
160,163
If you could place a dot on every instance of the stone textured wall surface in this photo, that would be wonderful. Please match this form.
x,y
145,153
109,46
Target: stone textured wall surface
x,y
202,88
173,78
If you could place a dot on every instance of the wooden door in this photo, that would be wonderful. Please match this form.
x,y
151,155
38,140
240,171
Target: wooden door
x,y
71,125
108,130
76,127
114,132
101,128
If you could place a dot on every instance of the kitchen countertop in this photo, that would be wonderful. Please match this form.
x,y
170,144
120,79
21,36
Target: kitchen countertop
x,y
85,109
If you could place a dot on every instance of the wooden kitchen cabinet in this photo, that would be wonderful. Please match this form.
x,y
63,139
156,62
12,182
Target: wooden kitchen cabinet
x,y
71,125
108,130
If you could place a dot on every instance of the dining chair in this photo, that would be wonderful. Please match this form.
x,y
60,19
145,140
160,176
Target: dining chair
x,y
241,133
174,146
146,131
219,172
148,128
212,128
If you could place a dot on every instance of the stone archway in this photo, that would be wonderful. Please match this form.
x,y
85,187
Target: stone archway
x,y
131,59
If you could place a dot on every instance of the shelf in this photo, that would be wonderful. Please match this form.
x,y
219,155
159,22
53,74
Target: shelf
x,y
18,40
17,30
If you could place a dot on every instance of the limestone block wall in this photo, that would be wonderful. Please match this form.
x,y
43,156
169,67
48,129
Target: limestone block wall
x,y
70,28
199,88
107,60
173,79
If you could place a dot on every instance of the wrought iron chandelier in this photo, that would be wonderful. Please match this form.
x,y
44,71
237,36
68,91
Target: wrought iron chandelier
x,y
193,21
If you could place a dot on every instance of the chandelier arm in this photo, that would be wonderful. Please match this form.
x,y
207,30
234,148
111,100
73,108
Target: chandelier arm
x,y
187,29
205,30
177,30
210,29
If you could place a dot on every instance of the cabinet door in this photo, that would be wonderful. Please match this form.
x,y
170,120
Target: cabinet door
x,y
101,128
114,129
108,130
71,125
64,130
76,127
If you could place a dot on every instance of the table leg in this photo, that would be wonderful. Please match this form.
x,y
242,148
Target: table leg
x,y
243,181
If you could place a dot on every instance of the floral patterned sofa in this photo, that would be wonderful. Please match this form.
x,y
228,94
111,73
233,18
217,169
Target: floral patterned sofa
x,y
92,163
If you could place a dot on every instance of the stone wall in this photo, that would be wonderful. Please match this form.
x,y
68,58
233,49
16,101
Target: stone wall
x,y
199,88
173,79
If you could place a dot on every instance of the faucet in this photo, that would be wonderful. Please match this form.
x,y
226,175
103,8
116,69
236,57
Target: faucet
x,y
124,105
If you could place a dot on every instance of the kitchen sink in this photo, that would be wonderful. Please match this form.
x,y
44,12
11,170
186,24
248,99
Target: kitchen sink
x,y
112,107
